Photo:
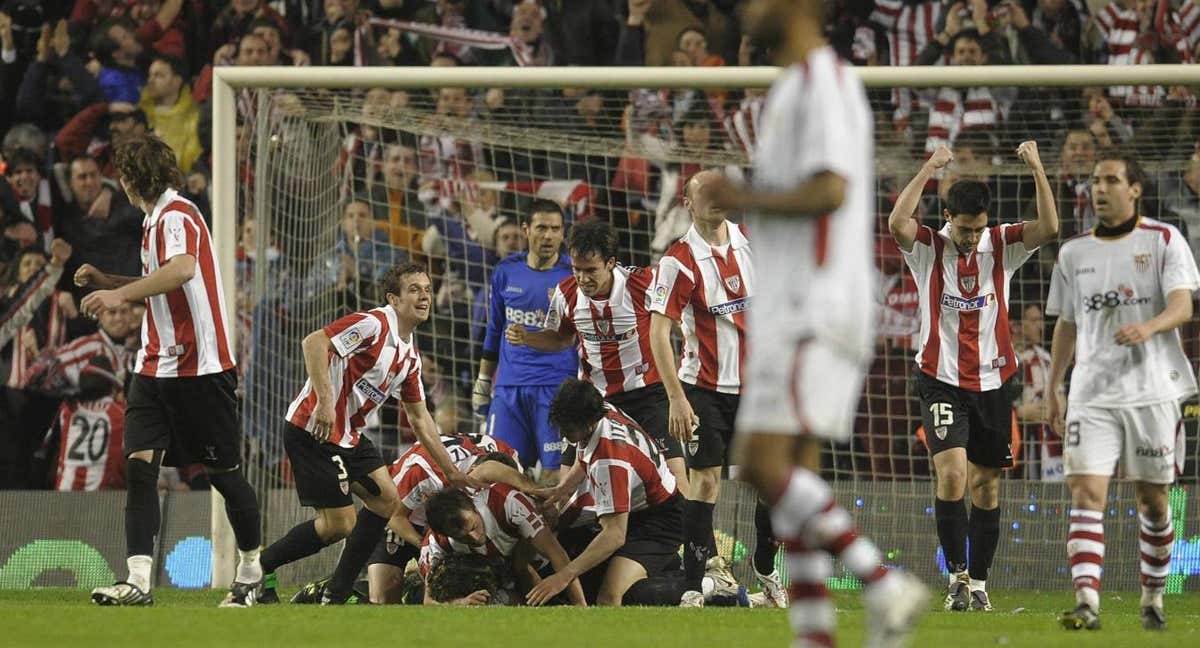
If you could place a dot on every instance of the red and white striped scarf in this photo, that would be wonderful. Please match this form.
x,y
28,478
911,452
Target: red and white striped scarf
x,y
574,195
23,356
954,111
522,53
910,27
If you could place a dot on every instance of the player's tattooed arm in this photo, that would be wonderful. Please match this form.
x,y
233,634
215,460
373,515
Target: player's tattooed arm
x,y
1045,228
902,222
543,340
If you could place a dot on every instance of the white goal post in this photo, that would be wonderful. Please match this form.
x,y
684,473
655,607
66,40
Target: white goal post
x,y
227,81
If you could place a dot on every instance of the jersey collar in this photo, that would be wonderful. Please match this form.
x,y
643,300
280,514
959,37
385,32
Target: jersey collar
x,y
393,326
167,197
702,249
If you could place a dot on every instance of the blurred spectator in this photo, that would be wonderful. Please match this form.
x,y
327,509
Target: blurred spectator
x,y
1065,22
528,28
97,130
32,192
364,252
506,239
88,431
587,31
445,13
1102,121
445,156
667,19
58,372
160,26
361,158
1026,42
909,28
173,116
119,52
1181,196
272,34
97,219
461,230
955,110
235,20
1034,360
56,84
1077,156
395,203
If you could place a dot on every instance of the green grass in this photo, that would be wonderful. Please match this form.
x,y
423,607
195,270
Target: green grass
x,y
63,617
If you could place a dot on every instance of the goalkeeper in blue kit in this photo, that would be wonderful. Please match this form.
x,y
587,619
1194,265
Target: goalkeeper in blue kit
x,y
524,380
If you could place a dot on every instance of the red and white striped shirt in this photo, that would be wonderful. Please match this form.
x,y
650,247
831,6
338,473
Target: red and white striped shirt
x,y
626,469
509,516
1120,28
183,331
370,362
706,290
75,355
910,27
955,110
965,338
613,333
417,476
53,333
89,451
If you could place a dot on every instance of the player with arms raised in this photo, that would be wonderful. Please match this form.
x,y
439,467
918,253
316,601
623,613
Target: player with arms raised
x,y
1121,292
966,357
811,334
182,396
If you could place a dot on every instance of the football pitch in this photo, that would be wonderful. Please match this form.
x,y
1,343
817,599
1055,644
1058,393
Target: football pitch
x,y
65,617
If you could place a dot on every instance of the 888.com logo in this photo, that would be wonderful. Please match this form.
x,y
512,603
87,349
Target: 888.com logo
x,y
1122,296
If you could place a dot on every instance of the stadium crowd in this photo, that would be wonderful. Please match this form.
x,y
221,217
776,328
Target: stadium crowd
x,y
80,77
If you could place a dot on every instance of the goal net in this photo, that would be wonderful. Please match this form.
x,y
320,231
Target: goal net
x,y
334,185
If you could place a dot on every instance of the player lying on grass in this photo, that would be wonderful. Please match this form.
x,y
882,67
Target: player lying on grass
x,y
638,506
416,476
497,522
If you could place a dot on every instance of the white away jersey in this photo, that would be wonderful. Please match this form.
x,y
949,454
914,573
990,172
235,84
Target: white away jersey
x,y
965,338
816,272
706,290
1102,284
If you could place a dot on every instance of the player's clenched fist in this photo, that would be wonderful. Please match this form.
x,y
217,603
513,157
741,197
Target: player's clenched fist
x,y
515,334
1028,152
940,158
86,275
60,251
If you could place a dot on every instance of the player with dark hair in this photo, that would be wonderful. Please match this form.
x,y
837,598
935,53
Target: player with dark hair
x,y
1121,292
354,365
635,499
491,522
966,357
604,308
182,401
811,330
704,283
525,378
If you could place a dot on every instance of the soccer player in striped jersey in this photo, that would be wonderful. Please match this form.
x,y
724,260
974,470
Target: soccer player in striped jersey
x,y
704,283
966,358
491,522
1121,292
90,426
354,365
811,209
525,378
182,403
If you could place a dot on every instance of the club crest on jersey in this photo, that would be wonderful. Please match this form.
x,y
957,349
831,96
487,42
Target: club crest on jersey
x,y
345,485
941,432
734,283
1141,261
967,282
604,327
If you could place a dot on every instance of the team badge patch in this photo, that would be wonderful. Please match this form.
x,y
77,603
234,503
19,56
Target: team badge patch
x,y
604,327
345,487
350,338
941,432
967,282
1141,261
733,283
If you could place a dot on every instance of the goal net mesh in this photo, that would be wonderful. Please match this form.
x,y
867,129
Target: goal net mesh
x,y
336,186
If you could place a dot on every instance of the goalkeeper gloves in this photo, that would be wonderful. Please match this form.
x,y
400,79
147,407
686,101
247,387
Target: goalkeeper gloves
x,y
481,395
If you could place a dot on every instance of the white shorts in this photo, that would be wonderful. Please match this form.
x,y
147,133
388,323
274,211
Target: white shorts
x,y
1148,441
800,388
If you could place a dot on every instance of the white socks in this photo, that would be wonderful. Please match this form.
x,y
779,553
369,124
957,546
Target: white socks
x,y
139,571
249,568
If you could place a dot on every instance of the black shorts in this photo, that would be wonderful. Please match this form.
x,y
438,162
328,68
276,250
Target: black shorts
x,y
650,408
323,472
192,419
395,552
710,442
981,422
653,537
